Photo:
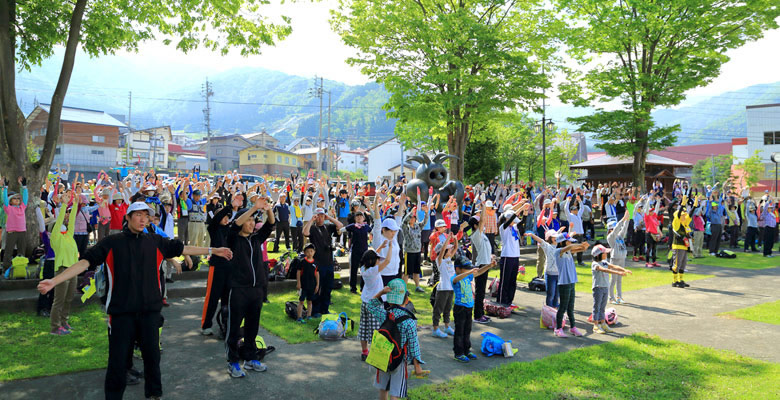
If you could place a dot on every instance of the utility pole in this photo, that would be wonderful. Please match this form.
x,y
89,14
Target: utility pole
x,y
318,91
129,126
330,153
207,93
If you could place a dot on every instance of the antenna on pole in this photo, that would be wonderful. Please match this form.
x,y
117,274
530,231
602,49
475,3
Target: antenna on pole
x,y
207,93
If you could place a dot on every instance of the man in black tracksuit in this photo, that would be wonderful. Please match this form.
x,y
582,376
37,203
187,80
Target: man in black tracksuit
x,y
218,284
134,295
248,278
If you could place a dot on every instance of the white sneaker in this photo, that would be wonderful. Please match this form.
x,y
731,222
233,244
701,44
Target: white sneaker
x,y
207,332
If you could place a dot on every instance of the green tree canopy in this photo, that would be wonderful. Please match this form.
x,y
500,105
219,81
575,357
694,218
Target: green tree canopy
x,y
752,169
704,173
31,29
449,66
645,54
482,160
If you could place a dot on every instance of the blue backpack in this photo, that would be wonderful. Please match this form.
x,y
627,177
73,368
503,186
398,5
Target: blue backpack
x,y
492,344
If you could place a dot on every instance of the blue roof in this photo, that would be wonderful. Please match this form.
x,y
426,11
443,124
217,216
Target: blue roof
x,y
86,116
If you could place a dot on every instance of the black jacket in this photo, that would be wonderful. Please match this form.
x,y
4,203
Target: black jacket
x,y
133,269
219,234
248,267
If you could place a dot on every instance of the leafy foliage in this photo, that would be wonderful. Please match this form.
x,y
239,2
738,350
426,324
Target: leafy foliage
x,y
651,53
449,66
482,161
752,169
705,174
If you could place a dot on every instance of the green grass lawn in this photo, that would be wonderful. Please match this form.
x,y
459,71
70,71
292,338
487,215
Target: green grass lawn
x,y
743,261
639,279
768,313
635,367
278,323
28,350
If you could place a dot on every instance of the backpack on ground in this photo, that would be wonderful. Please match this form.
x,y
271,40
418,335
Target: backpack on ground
x,y
332,326
726,254
494,286
19,266
494,309
537,285
547,318
492,344
291,309
389,330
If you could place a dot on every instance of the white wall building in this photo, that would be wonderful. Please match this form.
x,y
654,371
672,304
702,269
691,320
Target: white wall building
x,y
149,146
763,134
384,156
353,161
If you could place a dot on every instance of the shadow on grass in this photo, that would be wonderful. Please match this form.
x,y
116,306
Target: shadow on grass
x,y
638,366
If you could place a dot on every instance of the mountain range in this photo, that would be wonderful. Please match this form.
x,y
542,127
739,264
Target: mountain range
x,y
250,99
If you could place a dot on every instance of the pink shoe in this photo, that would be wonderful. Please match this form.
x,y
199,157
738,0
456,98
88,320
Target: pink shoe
x,y
60,331
559,333
576,332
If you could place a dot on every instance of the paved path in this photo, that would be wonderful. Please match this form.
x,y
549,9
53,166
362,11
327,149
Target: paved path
x,y
194,367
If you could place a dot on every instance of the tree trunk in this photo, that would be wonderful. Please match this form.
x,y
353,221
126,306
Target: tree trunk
x,y
14,161
638,167
456,144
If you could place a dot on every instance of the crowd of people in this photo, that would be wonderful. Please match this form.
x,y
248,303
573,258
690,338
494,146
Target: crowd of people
x,y
135,225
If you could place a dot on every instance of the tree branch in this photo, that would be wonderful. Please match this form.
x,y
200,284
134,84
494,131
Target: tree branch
x,y
58,98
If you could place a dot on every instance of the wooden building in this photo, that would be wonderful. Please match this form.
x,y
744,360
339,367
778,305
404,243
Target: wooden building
x,y
608,169
88,139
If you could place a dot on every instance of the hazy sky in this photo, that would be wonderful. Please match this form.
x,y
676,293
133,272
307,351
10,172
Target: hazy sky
x,y
314,49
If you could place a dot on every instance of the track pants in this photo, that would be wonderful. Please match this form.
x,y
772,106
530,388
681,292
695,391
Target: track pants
x,y
123,329
297,238
282,228
462,338
354,266
480,284
245,304
322,300
567,305
217,290
714,244
508,277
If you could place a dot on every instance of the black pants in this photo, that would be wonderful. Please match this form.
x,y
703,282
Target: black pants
x,y
508,285
650,247
639,243
123,331
217,289
297,238
769,239
492,239
282,227
480,284
750,238
733,235
714,244
45,300
425,239
245,304
462,338
182,223
354,266
580,239
81,242
588,227
566,306
322,300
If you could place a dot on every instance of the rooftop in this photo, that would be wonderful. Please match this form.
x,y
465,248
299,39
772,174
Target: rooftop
x,y
83,116
607,160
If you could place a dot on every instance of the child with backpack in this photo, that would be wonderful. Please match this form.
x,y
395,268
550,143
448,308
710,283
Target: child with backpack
x,y
308,282
464,302
370,271
444,291
599,269
394,317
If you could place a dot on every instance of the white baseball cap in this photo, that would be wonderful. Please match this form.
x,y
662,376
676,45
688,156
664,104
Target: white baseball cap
x,y
140,206
390,223
489,204
319,211
440,223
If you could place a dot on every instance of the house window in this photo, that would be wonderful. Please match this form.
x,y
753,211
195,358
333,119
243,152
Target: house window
x,y
294,162
98,139
771,138
58,150
235,164
235,153
248,157
219,152
279,159
97,152
287,160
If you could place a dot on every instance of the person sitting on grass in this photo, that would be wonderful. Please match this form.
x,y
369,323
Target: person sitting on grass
x,y
600,269
443,300
308,282
394,382
372,285
464,302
